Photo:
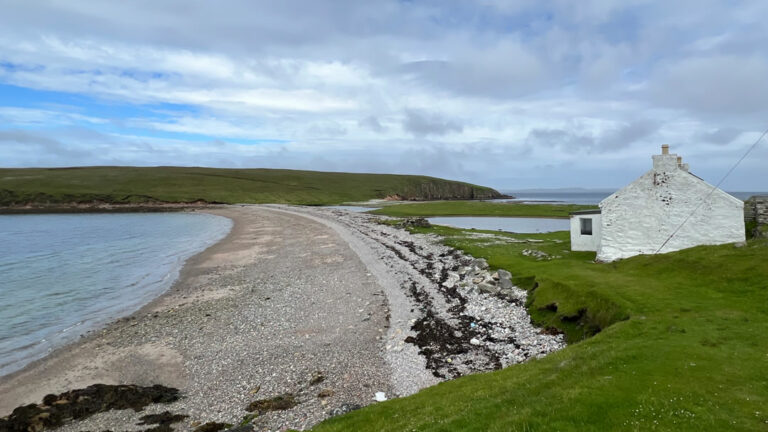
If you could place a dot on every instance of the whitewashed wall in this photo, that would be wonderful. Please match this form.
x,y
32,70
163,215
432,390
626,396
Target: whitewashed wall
x,y
580,242
638,218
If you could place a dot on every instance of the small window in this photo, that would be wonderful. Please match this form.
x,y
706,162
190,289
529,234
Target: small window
x,y
586,226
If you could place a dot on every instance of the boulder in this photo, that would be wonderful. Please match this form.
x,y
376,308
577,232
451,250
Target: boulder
x,y
414,222
507,294
487,288
505,279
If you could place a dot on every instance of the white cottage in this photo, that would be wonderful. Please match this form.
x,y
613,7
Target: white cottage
x,y
641,217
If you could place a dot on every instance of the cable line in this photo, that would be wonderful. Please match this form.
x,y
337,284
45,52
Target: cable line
x,y
749,150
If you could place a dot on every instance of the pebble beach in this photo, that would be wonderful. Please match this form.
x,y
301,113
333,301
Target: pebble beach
x,y
324,309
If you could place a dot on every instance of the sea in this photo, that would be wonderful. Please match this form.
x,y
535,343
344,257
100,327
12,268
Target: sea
x,y
584,197
62,275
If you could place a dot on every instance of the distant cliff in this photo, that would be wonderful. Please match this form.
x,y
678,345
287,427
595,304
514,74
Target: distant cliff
x,y
424,189
147,186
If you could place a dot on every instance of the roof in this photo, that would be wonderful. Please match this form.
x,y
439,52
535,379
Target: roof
x,y
585,212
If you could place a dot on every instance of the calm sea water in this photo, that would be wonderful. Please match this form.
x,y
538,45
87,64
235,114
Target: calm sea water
x,y
510,224
585,198
62,275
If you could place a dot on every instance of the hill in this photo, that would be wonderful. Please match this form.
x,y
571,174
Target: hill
x,y
60,187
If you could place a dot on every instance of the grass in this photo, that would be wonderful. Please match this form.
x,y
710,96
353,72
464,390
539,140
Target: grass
x,y
679,345
480,208
189,184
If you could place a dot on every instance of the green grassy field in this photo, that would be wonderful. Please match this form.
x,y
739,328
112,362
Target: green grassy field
x,y
679,345
480,208
182,184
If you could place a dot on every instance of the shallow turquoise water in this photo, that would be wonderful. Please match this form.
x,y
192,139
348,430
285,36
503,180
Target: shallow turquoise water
x,y
61,275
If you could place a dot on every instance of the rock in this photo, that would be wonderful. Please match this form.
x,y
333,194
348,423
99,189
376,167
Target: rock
x,y
480,263
212,427
451,280
503,274
414,222
495,275
478,280
474,341
487,288
506,284
463,270
380,397
343,409
507,293
539,255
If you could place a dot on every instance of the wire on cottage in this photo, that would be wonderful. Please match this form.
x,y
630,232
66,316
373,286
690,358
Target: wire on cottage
x,y
744,156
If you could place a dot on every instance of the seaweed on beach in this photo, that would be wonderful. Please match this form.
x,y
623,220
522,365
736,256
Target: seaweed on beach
x,y
82,403
277,403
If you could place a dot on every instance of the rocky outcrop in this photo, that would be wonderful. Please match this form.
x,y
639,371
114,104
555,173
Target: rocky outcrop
x,y
438,189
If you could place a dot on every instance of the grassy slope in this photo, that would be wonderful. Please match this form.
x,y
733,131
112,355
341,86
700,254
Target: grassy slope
x,y
181,184
475,208
687,349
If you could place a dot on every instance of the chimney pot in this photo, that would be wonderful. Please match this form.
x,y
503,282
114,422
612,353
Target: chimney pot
x,y
665,149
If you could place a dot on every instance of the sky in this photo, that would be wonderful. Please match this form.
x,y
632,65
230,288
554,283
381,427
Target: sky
x,y
509,94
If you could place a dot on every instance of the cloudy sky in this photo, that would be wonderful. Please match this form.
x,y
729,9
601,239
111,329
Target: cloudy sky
x,y
510,94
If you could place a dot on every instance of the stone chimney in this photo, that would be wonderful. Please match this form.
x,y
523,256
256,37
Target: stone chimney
x,y
665,161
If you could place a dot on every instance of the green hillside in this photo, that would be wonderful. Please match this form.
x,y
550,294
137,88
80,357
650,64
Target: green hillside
x,y
124,185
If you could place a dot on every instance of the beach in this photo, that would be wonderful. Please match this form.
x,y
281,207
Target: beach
x,y
323,305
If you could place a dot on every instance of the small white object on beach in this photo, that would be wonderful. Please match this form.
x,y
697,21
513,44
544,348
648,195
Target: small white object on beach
x,y
380,396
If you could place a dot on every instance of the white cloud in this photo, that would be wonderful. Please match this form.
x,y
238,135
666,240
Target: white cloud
x,y
443,88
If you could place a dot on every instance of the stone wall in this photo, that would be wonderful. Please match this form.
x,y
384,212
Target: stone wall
x,y
756,209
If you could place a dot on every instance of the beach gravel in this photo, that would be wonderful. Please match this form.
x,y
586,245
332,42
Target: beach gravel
x,y
324,308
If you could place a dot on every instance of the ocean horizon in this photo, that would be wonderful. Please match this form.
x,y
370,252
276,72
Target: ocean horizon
x,y
584,197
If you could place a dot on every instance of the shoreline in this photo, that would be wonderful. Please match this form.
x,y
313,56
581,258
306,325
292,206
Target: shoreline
x,y
329,307
83,331
233,304
109,208
94,333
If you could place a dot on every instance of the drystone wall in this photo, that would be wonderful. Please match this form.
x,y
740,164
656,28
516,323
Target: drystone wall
x,y
756,209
